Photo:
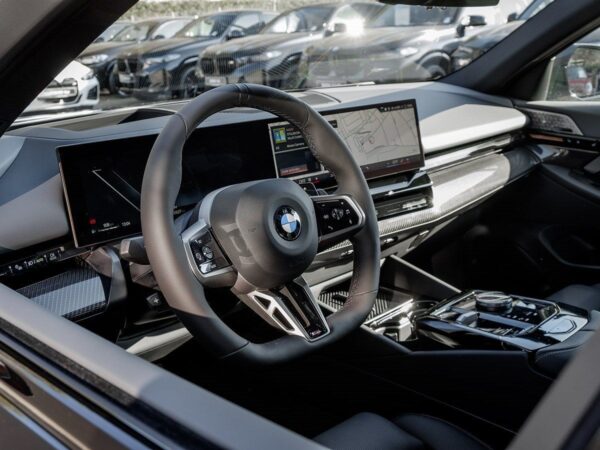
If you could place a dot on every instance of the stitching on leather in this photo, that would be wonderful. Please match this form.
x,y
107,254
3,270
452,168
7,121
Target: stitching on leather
x,y
177,114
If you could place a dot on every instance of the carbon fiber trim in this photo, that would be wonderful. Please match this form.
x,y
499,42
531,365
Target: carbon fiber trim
x,y
385,301
74,294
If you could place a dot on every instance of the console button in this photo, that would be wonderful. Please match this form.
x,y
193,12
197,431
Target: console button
x,y
467,318
558,326
207,252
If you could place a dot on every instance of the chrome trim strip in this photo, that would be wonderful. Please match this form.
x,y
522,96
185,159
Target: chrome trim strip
x,y
474,151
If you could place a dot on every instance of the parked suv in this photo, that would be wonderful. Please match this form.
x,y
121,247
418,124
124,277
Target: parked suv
x,y
480,43
272,57
101,57
167,68
402,43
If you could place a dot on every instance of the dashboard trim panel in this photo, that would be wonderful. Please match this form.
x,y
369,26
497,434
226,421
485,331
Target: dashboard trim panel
x,y
454,190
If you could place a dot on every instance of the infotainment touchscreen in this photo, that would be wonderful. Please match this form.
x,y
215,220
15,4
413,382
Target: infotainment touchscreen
x,y
383,140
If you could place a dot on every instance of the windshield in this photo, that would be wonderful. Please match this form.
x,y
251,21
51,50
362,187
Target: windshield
x,y
210,26
287,44
301,20
138,32
407,16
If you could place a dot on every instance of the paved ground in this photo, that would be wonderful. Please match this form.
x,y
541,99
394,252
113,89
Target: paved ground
x,y
108,101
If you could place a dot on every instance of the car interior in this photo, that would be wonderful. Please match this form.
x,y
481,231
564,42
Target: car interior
x,y
380,266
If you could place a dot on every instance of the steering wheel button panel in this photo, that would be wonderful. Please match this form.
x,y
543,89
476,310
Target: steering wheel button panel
x,y
337,216
204,254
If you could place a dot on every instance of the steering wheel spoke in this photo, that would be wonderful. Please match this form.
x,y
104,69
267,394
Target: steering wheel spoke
x,y
339,217
293,309
206,259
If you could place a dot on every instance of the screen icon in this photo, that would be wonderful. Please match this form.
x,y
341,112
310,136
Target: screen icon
x,y
279,135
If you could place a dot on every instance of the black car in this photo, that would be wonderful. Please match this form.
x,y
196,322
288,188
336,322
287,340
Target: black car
x,y
272,57
101,57
403,43
480,43
167,68
112,31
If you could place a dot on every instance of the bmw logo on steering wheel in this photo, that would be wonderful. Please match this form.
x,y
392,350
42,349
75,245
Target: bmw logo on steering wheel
x,y
287,223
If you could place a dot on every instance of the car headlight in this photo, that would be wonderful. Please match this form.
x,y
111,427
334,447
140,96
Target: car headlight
x,y
408,51
266,56
161,59
88,75
93,59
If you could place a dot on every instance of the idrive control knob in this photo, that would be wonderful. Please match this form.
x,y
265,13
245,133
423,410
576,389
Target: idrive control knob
x,y
493,301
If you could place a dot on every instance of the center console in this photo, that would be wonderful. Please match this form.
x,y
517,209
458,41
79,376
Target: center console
x,y
484,319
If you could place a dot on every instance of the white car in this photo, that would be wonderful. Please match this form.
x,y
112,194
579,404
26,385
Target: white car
x,y
75,87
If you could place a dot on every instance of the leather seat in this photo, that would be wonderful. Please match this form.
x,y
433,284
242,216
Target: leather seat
x,y
367,431
579,296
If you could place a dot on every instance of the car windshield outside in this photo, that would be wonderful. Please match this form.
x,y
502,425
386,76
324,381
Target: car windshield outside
x,y
132,33
287,44
308,19
209,26
412,16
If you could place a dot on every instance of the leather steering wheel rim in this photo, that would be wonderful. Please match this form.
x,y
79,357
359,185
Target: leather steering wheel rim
x,y
183,292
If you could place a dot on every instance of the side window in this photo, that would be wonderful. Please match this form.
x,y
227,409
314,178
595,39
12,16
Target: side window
x,y
168,29
368,11
346,15
574,74
248,23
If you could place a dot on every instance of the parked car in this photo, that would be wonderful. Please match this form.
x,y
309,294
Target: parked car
x,y
402,43
480,43
75,87
112,31
272,57
101,57
580,82
167,68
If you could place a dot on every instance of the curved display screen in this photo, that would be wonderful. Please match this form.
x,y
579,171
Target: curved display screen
x,y
383,140
102,180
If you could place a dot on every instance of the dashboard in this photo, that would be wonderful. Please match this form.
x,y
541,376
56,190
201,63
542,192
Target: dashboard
x,y
70,189
102,180
68,186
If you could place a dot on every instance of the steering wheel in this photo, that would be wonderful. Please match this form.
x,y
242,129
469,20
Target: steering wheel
x,y
259,237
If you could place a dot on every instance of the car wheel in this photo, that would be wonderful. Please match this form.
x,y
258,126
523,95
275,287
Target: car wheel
x,y
112,79
188,86
435,71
